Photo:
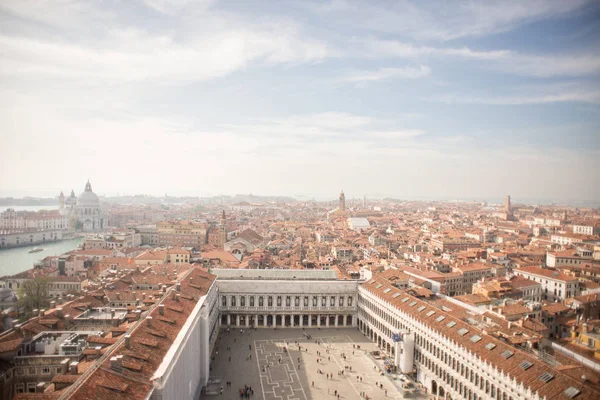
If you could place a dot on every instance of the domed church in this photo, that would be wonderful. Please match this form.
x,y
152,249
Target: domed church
x,y
84,211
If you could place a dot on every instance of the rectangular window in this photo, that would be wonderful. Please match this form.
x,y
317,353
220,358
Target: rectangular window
x,y
270,301
297,301
278,301
305,301
341,303
260,301
332,301
323,301
288,301
349,301
315,301
251,301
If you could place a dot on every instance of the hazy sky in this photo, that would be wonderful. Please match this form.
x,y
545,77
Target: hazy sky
x,y
391,98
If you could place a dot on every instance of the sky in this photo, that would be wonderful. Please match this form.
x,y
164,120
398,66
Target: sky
x,y
421,99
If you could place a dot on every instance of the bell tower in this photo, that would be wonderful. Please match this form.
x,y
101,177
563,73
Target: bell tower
x,y
223,228
342,201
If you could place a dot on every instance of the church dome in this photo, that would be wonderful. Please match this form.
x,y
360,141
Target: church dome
x,y
88,198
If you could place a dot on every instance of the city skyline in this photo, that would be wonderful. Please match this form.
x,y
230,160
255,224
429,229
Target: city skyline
x,y
414,100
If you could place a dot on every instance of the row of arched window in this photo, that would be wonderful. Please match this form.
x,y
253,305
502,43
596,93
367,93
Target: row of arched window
x,y
305,301
422,345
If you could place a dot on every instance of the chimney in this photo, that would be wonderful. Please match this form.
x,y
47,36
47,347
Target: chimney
x,y
178,286
42,313
52,304
98,349
149,322
138,314
40,387
128,341
118,296
584,328
177,297
59,312
60,300
115,363
35,312
164,288
112,313
73,367
17,328
144,296
64,366
67,321
161,309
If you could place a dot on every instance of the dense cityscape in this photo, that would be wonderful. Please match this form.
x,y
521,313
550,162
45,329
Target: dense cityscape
x,y
299,200
456,298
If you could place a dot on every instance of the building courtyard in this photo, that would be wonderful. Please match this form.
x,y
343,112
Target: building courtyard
x,y
300,364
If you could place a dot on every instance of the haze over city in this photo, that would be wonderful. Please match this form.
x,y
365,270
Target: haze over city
x,y
398,99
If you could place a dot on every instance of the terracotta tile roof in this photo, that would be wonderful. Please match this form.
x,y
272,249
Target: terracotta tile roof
x,y
548,273
10,345
63,378
148,346
419,310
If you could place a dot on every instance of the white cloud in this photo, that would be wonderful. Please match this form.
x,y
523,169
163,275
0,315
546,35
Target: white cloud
x,y
543,66
177,6
401,134
572,96
395,48
388,73
552,65
443,20
138,56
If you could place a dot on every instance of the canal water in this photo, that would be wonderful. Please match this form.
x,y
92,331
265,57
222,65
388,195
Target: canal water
x,y
13,261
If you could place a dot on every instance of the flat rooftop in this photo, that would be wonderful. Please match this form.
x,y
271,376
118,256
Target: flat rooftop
x,y
274,274
102,314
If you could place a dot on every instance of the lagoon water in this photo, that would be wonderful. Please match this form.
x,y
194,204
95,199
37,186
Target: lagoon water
x,y
30,208
13,261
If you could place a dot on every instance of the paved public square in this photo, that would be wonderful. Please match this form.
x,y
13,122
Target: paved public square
x,y
275,367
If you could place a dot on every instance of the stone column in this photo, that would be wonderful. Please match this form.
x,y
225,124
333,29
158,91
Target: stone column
x,y
237,320
228,319
256,321
310,320
318,320
327,321
354,320
265,320
337,317
301,317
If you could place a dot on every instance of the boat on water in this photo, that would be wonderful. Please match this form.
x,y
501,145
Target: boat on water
x,y
35,250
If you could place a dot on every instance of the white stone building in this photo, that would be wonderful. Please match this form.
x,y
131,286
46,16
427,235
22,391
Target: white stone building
x,y
85,211
555,284
280,298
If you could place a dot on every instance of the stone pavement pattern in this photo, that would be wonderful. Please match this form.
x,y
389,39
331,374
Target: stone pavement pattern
x,y
272,369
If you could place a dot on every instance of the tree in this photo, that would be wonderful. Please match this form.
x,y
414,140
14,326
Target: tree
x,y
33,294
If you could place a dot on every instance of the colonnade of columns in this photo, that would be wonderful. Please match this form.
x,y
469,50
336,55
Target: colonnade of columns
x,y
288,320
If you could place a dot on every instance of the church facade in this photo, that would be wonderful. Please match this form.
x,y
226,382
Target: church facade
x,y
84,212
